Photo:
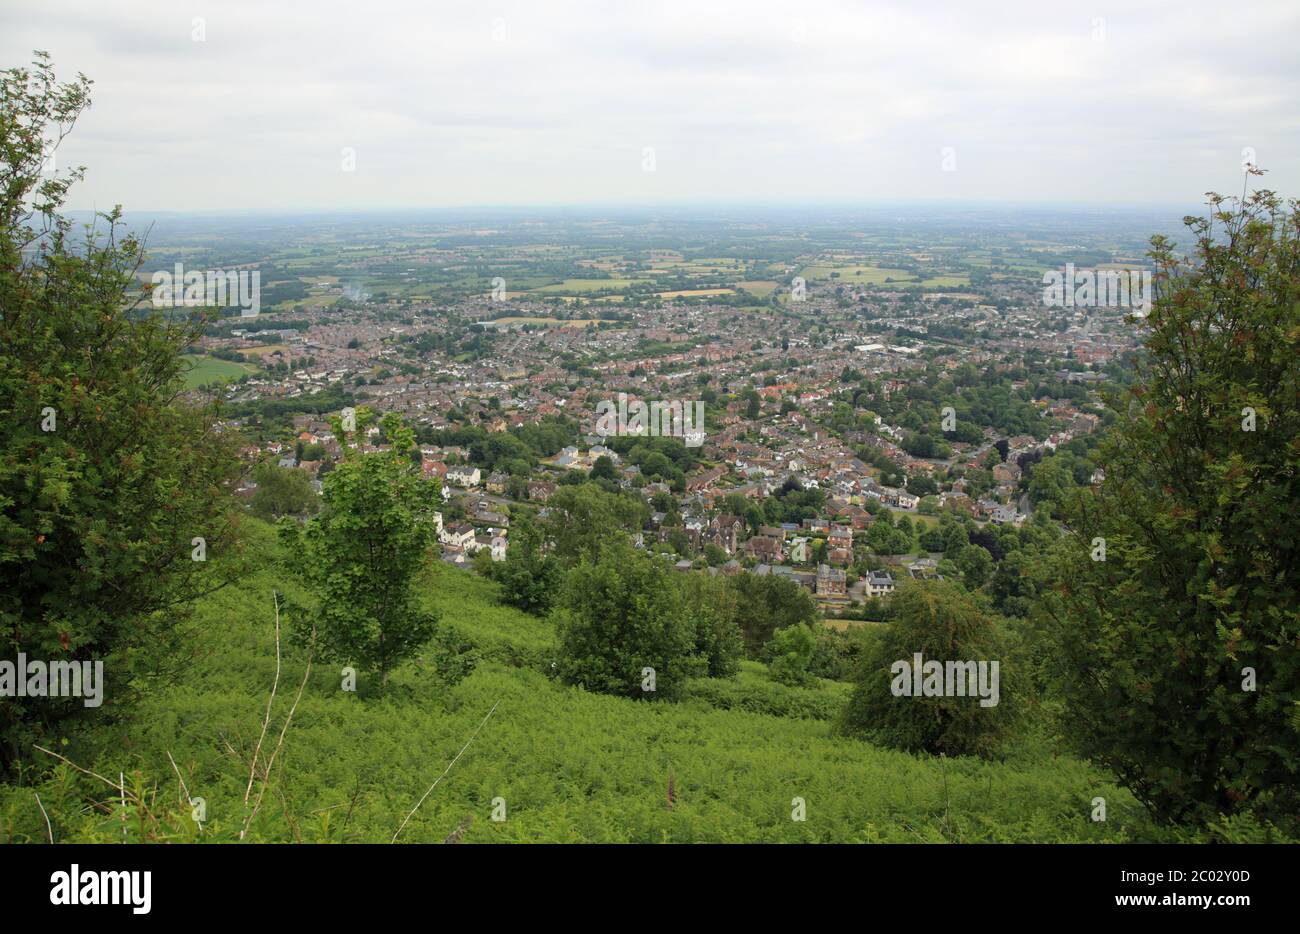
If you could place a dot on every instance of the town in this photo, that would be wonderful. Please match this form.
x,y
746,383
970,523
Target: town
x,y
902,387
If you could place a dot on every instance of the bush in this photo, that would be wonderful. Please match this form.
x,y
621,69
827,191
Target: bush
x,y
941,623
791,650
620,615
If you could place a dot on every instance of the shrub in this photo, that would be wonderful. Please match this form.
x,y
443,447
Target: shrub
x,y
941,623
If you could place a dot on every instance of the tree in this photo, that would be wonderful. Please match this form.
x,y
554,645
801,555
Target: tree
x,y
976,566
1177,647
625,627
360,556
528,576
766,604
791,650
583,519
282,492
603,469
718,639
114,490
937,620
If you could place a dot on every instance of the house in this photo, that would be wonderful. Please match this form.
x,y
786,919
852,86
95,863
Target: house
x,y
430,469
498,482
464,476
879,584
540,490
1002,514
723,532
1006,473
705,480
830,582
799,550
764,548
460,535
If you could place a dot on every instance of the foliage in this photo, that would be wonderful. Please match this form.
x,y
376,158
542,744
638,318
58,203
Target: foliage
x,y
282,492
718,638
583,519
791,649
620,615
941,623
113,490
1198,592
528,576
360,556
766,604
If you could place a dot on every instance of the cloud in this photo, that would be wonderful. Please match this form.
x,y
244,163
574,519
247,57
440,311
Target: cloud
x,y
510,103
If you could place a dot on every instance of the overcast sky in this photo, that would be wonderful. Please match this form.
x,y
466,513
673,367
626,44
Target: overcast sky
x,y
558,102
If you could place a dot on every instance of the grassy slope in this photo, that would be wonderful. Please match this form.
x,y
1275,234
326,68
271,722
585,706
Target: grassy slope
x,y
571,766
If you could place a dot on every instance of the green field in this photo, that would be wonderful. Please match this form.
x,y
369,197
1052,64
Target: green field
x,y
570,766
857,275
206,370
944,282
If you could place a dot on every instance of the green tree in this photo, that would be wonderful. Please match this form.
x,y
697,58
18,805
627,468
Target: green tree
x,y
528,576
1178,655
282,492
360,556
584,519
114,491
937,620
766,604
625,627
718,640
603,469
791,650
976,566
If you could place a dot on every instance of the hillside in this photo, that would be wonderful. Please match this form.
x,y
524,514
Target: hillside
x,y
571,766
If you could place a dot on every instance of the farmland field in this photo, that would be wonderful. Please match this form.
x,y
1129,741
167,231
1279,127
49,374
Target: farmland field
x,y
857,275
580,286
206,370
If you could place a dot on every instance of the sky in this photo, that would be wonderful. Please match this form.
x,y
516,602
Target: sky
x,y
327,105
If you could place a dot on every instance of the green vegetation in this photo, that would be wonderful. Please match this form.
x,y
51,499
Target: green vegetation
x,y
114,493
897,705
572,765
1176,648
361,555
282,492
207,371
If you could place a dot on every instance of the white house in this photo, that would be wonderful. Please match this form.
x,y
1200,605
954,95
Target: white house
x,y
464,476
798,552
879,584
460,535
